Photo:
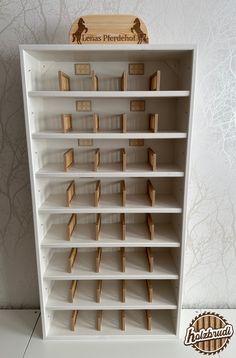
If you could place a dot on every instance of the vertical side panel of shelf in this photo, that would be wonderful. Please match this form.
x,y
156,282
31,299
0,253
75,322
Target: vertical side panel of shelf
x,y
28,80
190,65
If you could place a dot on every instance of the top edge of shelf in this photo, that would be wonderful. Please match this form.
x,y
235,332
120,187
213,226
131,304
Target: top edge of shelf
x,y
109,94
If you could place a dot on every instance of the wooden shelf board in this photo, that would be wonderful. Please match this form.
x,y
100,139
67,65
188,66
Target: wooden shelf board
x,y
137,235
136,296
110,203
108,94
136,266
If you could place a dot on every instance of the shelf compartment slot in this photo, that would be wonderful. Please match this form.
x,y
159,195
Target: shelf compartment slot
x,y
123,291
95,122
97,158
74,317
71,226
64,81
122,320
149,291
66,122
72,290
124,81
150,225
99,320
123,123
98,259
152,159
150,259
122,259
72,258
123,226
98,226
149,320
123,159
153,122
123,192
99,291
155,81
69,159
70,192
151,192
97,192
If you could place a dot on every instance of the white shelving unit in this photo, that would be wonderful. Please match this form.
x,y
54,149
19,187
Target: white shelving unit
x,y
109,216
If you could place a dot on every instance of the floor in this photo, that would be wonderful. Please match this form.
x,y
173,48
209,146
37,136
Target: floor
x,y
23,327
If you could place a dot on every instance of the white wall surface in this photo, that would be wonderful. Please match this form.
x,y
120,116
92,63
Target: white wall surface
x,y
210,261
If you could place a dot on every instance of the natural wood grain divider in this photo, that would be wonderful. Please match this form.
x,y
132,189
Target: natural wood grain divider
x,y
99,320
151,226
68,159
95,122
66,122
123,123
98,226
64,81
123,226
74,319
71,259
152,159
123,159
72,290
97,192
149,320
123,259
150,259
98,258
122,320
70,192
99,291
97,159
149,290
153,122
94,81
71,225
123,192
124,81
155,81
151,192
123,291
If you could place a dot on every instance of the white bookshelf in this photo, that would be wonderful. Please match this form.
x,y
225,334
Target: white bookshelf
x,y
109,228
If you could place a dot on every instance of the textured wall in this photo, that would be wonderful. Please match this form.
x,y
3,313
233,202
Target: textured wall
x,y
210,262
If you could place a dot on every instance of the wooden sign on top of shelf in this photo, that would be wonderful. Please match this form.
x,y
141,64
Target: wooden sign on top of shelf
x,y
108,29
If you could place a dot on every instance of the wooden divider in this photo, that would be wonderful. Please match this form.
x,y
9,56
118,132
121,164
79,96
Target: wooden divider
x,y
151,192
99,320
70,192
150,259
68,159
71,225
122,259
153,122
94,81
122,320
123,159
71,259
149,290
98,259
64,81
66,122
155,81
74,319
123,124
96,159
149,320
123,226
98,226
150,226
99,291
123,192
124,81
95,122
152,159
123,291
72,290
97,192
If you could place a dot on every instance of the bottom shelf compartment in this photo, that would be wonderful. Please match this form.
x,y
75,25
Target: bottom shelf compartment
x,y
114,324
